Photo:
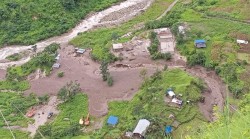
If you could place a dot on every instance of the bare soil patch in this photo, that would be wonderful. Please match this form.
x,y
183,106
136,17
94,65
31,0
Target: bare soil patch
x,y
214,94
85,71
2,74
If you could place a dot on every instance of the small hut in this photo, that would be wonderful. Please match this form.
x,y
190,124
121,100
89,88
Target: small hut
x,y
117,47
200,43
141,128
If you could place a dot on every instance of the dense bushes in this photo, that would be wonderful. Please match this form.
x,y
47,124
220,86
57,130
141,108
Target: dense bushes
x,y
26,22
14,85
68,91
9,103
229,72
197,58
43,60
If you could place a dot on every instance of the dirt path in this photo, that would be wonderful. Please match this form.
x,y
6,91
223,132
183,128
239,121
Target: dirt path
x,y
85,25
2,74
168,9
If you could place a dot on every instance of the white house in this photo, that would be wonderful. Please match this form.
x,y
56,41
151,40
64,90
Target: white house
x,y
118,47
242,41
171,94
141,128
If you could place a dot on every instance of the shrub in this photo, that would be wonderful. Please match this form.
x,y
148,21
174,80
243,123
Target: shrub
x,y
110,80
198,58
68,91
60,74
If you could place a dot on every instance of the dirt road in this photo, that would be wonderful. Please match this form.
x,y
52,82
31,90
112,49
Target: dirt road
x,y
168,9
41,114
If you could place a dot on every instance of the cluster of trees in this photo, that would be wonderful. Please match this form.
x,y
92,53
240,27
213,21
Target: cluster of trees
x,y
105,73
197,58
43,60
229,72
68,91
153,49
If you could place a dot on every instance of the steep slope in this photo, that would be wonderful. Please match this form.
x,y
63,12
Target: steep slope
x,y
26,21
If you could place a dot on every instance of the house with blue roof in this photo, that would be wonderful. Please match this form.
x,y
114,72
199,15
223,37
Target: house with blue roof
x,y
112,120
200,43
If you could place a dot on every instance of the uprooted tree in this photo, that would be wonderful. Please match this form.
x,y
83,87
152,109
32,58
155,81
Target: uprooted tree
x,y
69,90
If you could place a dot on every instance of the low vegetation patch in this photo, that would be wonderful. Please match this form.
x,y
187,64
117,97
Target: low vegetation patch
x,y
14,57
5,134
10,104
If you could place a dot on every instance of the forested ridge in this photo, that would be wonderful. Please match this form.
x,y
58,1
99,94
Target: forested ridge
x,y
28,21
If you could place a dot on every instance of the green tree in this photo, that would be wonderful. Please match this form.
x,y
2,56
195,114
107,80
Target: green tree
x,y
198,58
68,91
104,70
110,80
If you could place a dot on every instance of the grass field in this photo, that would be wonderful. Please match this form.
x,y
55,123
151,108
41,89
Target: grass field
x,y
101,40
5,134
149,103
8,103
244,56
26,21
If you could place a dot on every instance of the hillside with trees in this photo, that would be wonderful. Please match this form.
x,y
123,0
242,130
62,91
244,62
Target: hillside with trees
x,y
27,21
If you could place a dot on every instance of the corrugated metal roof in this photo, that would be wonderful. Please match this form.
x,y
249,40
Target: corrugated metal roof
x,y
141,127
199,41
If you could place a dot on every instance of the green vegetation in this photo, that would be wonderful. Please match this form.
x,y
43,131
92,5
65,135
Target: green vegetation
x,y
26,22
43,60
14,85
149,103
16,76
9,102
14,57
60,74
228,126
66,123
5,134
220,34
68,91
101,40
105,73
